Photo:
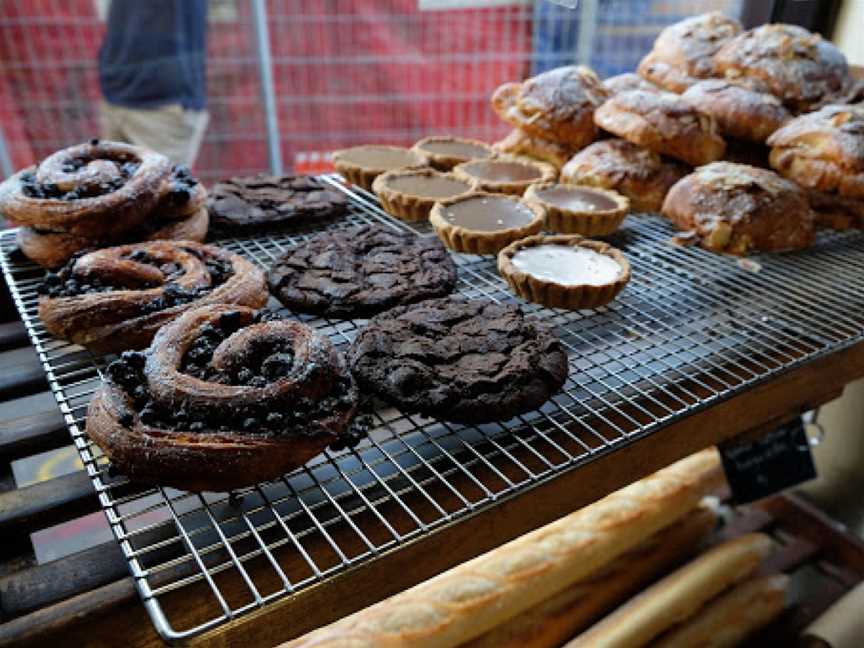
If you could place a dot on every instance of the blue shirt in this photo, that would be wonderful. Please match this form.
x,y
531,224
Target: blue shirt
x,y
154,54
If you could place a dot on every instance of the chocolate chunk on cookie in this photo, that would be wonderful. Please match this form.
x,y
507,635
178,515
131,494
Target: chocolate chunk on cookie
x,y
361,271
265,199
465,361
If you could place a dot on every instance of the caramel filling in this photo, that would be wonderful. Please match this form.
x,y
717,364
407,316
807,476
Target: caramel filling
x,y
428,186
502,171
577,200
485,214
456,148
381,157
567,266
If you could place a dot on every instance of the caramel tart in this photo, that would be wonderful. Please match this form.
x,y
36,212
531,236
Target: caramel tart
x,y
506,174
564,271
446,151
483,223
410,194
574,209
360,165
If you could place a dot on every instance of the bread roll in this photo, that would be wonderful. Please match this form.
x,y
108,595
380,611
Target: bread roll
x,y
731,617
474,597
678,596
573,609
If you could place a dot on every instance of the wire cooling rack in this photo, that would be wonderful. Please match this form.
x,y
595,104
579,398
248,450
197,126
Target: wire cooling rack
x,y
690,329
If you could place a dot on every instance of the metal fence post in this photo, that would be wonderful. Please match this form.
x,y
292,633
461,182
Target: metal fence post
x,y
268,94
5,160
587,30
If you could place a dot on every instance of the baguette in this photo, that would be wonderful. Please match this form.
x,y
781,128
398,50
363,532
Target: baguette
x,y
575,608
733,616
474,597
677,596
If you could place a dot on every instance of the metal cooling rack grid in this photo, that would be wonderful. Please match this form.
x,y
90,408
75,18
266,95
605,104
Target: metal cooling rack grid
x,y
690,329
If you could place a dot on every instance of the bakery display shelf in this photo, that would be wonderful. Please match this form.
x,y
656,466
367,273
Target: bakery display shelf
x,y
693,333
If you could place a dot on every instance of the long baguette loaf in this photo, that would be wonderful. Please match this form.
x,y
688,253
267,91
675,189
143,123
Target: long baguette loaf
x,y
731,617
472,598
678,596
575,608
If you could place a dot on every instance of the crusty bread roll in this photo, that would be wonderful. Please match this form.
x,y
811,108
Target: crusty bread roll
x,y
731,617
575,608
474,597
678,596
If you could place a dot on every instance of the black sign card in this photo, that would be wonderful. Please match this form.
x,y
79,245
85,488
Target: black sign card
x,y
761,467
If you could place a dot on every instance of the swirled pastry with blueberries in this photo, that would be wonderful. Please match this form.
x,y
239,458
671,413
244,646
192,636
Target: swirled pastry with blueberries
x,y
224,397
98,194
117,298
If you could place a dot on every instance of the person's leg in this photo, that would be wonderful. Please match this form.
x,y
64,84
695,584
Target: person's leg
x,y
169,130
111,123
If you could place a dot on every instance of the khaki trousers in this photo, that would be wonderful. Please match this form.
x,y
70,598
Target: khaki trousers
x,y
170,130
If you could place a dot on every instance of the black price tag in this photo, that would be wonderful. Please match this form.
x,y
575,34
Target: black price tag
x,y
778,460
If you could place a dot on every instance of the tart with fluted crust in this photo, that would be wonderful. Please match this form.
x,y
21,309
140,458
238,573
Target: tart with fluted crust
x,y
483,223
446,151
360,165
507,174
579,209
410,194
564,271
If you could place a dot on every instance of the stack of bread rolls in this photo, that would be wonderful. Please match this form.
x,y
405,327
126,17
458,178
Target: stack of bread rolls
x,y
554,583
777,96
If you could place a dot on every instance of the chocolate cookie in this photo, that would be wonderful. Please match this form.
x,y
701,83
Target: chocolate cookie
x,y
457,360
361,271
265,199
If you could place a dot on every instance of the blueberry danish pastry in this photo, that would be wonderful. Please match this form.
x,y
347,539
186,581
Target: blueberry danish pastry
x,y
117,298
224,397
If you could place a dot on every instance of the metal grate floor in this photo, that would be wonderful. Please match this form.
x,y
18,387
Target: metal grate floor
x,y
690,329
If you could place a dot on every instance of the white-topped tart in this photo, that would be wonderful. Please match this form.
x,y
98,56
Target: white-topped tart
x,y
564,270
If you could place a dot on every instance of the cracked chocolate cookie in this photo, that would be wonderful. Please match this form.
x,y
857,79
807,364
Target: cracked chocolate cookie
x,y
464,361
361,271
265,199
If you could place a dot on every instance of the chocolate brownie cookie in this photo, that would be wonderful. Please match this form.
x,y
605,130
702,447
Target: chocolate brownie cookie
x,y
457,360
361,271
265,199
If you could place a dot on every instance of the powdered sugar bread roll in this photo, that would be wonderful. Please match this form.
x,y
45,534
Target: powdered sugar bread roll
x,y
474,597
678,596
731,617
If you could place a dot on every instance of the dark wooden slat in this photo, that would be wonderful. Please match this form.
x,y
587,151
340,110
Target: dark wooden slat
x,y
32,433
13,335
50,582
22,379
46,503
30,630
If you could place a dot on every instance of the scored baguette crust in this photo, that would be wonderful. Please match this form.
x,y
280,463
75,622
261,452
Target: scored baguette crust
x,y
678,596
474,597
731,617
573,609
